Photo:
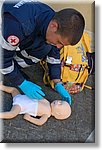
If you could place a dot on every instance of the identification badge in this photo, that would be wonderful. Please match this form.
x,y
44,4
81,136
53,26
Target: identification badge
x,y
69,60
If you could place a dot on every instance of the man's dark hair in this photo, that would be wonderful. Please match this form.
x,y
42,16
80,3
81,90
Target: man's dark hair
x,y
71,24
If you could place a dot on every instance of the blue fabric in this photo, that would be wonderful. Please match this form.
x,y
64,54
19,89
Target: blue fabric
x,y
31,20
54,69
63,92
32,90
33,16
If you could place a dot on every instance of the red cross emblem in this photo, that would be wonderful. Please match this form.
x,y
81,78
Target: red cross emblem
x,y
13,40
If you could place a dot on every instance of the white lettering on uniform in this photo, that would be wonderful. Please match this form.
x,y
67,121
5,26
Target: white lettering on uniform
x,y
22,2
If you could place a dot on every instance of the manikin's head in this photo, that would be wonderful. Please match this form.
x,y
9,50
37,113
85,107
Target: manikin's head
x,y
60,109
65,28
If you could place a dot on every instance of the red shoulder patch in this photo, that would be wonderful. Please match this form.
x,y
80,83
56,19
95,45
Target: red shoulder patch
x,y
13,40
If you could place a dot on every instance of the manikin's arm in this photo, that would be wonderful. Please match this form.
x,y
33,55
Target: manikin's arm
x,y
15,109
36,121
11,114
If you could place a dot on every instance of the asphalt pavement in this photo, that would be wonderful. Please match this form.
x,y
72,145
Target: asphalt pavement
x,y
76,129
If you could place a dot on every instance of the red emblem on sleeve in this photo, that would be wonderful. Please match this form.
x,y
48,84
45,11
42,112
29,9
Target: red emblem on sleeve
x,y
13,40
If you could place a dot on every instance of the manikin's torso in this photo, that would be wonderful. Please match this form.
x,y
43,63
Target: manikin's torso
x,y
44,108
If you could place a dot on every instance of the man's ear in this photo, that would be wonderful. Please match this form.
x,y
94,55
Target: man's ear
x,y
54,26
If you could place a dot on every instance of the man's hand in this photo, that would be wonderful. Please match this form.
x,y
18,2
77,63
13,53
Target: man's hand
x,y
32,90
63,92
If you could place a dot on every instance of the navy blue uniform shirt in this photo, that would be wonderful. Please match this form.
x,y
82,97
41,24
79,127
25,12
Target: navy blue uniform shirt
x,y
24,28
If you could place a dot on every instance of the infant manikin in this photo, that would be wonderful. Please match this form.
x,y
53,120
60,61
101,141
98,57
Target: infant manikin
x,y
32,108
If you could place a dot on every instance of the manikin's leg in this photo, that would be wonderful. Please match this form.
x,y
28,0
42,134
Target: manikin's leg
x,y
12,113
16,108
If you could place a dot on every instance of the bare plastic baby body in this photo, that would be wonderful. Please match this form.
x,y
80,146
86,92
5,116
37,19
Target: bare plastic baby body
x,y
32,108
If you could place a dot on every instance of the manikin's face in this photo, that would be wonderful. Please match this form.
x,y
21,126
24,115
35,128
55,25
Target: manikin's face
x,y
52,37
60,109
